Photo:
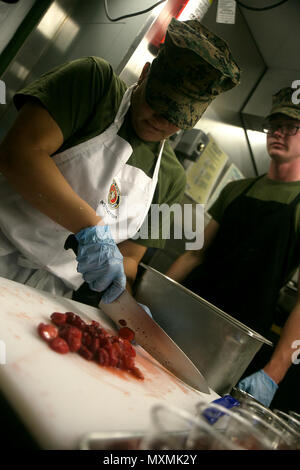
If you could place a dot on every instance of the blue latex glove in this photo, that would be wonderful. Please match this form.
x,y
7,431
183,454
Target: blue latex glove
x,y
100,262
147,309
260,386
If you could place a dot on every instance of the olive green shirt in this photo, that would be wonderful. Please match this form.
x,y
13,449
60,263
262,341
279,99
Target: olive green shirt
x,y
264,189
83,97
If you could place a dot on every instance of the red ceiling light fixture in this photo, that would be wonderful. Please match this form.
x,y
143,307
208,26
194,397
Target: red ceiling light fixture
x,y
157,32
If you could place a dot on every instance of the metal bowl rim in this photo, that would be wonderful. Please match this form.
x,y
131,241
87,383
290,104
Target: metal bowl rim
x,y
217,310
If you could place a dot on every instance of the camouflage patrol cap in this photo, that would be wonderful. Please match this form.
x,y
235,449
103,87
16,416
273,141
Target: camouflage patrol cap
x,y
282,104
192,68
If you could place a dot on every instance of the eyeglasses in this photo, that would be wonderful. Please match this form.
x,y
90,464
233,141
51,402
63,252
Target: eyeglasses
x,y
286,129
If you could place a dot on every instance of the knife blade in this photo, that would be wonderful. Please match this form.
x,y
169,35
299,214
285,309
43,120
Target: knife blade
x,y
125,311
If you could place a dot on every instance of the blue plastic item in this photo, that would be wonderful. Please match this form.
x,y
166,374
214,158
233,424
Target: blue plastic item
x,y
212,414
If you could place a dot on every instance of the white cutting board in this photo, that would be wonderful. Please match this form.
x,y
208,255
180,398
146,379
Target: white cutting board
x,y
60,398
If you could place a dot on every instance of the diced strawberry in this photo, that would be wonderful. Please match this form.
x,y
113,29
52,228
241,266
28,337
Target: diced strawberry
x,y
70,317
103,357
86,353
128,362
128,348
58,318
115,355
59,345
87,339
95,344
73,337
90,341
126,333
75,320
47,332
137,373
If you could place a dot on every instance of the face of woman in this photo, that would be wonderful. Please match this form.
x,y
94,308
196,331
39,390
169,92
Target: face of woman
x,y
148,125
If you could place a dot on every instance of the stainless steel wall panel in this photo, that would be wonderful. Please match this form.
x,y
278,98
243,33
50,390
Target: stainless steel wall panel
x,y
11,16
74,28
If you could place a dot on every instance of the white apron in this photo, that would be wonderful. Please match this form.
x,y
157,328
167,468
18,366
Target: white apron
x,y
32,245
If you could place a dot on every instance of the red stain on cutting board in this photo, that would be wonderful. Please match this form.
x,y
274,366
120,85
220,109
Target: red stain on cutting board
x,y
156,372
22,315
20,294
100,373
157,383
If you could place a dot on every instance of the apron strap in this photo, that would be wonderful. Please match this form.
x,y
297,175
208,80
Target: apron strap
x,y
252,183
157,166
295,201
124,106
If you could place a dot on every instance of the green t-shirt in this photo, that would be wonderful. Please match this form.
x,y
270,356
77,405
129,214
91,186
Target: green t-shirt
x,y
264,189
83,97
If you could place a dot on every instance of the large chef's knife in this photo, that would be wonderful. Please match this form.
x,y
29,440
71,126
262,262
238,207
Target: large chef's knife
x,y
125,311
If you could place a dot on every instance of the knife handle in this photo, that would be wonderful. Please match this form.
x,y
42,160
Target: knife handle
x,y
84,294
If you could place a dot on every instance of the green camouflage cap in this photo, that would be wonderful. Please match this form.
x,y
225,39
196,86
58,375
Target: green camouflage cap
x,y
282,103
192,68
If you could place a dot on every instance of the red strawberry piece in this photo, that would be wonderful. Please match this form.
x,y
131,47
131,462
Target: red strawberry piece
x,y
115,355
87,339
103,357
128,362
86,353
70,317
127,347
59,345
47,332
126,333
95,344
63,330
73,337
78,322
137,373
75,320
58,318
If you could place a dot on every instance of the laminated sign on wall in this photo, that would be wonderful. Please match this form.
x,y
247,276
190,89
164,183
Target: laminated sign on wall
x,y
202,175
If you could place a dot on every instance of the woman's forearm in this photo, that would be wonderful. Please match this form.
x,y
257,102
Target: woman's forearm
x,y
183,265
189,260
25,160
33,174
282,356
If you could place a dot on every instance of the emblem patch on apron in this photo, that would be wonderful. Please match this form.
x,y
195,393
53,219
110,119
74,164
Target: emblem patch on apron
x,y
114,195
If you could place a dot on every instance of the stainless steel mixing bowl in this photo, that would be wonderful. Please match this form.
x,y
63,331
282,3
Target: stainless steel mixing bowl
x,y
219,345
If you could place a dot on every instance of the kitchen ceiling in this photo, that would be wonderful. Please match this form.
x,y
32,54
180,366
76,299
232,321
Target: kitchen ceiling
x,y
276,32
277,35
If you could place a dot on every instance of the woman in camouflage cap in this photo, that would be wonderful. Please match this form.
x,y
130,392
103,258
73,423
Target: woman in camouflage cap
x,y
83,141
193,67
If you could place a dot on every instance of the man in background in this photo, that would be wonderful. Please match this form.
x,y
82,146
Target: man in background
x,y
251,249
